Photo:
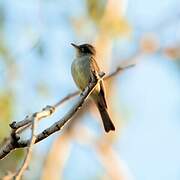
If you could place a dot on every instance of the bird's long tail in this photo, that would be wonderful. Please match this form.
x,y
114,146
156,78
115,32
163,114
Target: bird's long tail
x,y
108,124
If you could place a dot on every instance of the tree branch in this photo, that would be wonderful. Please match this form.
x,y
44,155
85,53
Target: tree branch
x,y
17,127
14,143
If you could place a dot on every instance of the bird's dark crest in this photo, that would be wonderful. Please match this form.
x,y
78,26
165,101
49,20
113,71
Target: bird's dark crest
x,y
87,49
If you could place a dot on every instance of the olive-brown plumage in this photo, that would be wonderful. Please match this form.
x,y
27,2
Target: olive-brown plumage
x,y
82,68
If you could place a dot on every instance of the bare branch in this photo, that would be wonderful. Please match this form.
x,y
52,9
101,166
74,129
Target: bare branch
x,y
52,129
21,125
17,127
69,96
118,70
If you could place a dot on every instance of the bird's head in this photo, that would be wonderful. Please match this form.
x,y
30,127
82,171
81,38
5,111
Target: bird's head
x,y
84,49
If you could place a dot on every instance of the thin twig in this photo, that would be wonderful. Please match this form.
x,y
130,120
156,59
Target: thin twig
x,y
118,70
69,96
25,164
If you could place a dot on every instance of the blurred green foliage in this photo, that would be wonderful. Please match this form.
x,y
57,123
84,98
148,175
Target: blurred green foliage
x,y
6,109
6,114
6,101
95,9
108,22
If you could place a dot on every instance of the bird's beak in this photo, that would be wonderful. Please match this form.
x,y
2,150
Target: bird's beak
x,y
74,45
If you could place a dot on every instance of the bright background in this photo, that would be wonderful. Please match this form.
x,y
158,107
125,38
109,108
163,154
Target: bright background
x,y
144,101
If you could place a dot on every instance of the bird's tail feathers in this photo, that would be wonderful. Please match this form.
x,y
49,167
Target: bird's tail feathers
x,y
108,124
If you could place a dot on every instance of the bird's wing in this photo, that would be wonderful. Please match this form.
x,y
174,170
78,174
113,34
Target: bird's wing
x,y
95,68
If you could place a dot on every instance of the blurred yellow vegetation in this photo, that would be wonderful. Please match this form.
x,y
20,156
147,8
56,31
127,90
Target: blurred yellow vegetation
x,y
6,112
106,16
95,9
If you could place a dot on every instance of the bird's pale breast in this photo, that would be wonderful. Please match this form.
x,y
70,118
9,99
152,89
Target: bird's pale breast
x,y
81,72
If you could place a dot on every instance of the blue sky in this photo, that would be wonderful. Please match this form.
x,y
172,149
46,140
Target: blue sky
x,y
149,143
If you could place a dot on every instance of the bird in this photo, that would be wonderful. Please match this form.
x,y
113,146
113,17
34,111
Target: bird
x,y
82,69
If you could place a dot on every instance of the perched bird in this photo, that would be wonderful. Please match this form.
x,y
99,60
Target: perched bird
x,y
82,69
